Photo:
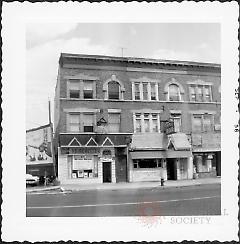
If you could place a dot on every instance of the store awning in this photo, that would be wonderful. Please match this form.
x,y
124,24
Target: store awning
x,y
149,141
160,154
180,141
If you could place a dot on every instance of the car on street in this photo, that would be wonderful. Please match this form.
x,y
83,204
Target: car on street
x,y
32,180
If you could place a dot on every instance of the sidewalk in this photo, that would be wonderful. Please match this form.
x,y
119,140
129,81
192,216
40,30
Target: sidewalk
x,y
43,189
140,185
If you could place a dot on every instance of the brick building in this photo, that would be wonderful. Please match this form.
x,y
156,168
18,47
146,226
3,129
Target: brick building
x,y
113,119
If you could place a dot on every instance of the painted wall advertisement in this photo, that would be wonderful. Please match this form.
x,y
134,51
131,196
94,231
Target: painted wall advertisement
x,y
38,145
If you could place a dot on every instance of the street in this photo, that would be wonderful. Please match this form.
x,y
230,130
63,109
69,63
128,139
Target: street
x,y
191,200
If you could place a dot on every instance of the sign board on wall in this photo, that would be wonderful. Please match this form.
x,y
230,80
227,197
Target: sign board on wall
x,y
81,150
81,164
169,127
38,145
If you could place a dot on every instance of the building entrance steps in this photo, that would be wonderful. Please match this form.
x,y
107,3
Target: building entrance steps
x,y
139,185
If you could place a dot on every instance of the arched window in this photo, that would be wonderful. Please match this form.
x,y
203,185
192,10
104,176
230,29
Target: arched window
x,y
113,90
174,93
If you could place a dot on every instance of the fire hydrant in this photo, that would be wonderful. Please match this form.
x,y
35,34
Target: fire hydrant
x,y
162,182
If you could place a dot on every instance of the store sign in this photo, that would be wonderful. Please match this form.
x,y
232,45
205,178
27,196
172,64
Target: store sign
x,y
169,127
82,150
81,164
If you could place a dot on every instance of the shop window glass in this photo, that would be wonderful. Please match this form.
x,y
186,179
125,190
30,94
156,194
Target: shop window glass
x,y
153,92
74,91
146,163
113,90
88,122
88,89
84,167
174,94
137,91
145,91
114,122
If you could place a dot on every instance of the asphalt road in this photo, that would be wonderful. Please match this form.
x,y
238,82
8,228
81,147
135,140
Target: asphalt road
x,y
185,201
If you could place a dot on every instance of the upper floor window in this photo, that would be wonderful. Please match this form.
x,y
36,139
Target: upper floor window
x,y
146,122
202,122
87,89
74,122
174,93
113,90
88,122
147,91
200,93
74,89
177,121
113,122
81,122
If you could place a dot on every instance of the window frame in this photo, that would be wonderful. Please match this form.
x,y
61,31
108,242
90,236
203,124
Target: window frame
x,y
179,98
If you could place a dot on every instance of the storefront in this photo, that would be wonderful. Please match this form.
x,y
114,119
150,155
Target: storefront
x,y
156,156
92,158
207,164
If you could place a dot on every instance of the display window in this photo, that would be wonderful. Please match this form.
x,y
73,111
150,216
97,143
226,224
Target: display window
x,y
147,163
84,167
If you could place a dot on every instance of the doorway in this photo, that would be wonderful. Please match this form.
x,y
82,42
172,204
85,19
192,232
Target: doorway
x,y
121,169
107,172
171,171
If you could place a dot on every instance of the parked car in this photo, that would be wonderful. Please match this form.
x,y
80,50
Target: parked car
x,y
32,180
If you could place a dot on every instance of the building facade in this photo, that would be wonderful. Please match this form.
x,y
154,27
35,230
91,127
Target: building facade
x,y
132,119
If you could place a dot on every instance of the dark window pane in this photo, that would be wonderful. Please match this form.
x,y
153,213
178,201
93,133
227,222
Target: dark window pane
x,y
88,128
88,94
113,90
74,94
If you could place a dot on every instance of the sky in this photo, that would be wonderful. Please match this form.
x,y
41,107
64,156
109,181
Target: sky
x,y
45,41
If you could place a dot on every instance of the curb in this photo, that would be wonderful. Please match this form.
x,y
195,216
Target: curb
x,y
52,188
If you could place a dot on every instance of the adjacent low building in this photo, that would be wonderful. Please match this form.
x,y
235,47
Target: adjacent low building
x,y
132,119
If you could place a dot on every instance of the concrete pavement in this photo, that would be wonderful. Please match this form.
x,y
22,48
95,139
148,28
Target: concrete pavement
x,y
140,185
123,185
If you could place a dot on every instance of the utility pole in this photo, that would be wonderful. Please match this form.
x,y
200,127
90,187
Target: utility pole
x,y
52,145
122,48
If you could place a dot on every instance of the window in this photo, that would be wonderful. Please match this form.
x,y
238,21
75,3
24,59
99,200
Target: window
x,y
192,92
114,122
138,123
155,124
173,92
207,94
147,163
207,123
74,90
83,167
177,122
200,93
113,90
202,123
74,122
146,122
197,123
153,92
88,89
137,91
88,122
145,91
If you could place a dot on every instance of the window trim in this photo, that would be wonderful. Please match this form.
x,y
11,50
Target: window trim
x,y
181,91
149,84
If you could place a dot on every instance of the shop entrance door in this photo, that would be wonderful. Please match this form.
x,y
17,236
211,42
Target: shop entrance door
x,y
107,174
121,169
171,171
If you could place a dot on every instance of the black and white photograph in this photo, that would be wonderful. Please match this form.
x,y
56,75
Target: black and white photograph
x,y
126,122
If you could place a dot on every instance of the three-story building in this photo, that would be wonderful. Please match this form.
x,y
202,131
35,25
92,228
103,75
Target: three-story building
x,y
114,119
